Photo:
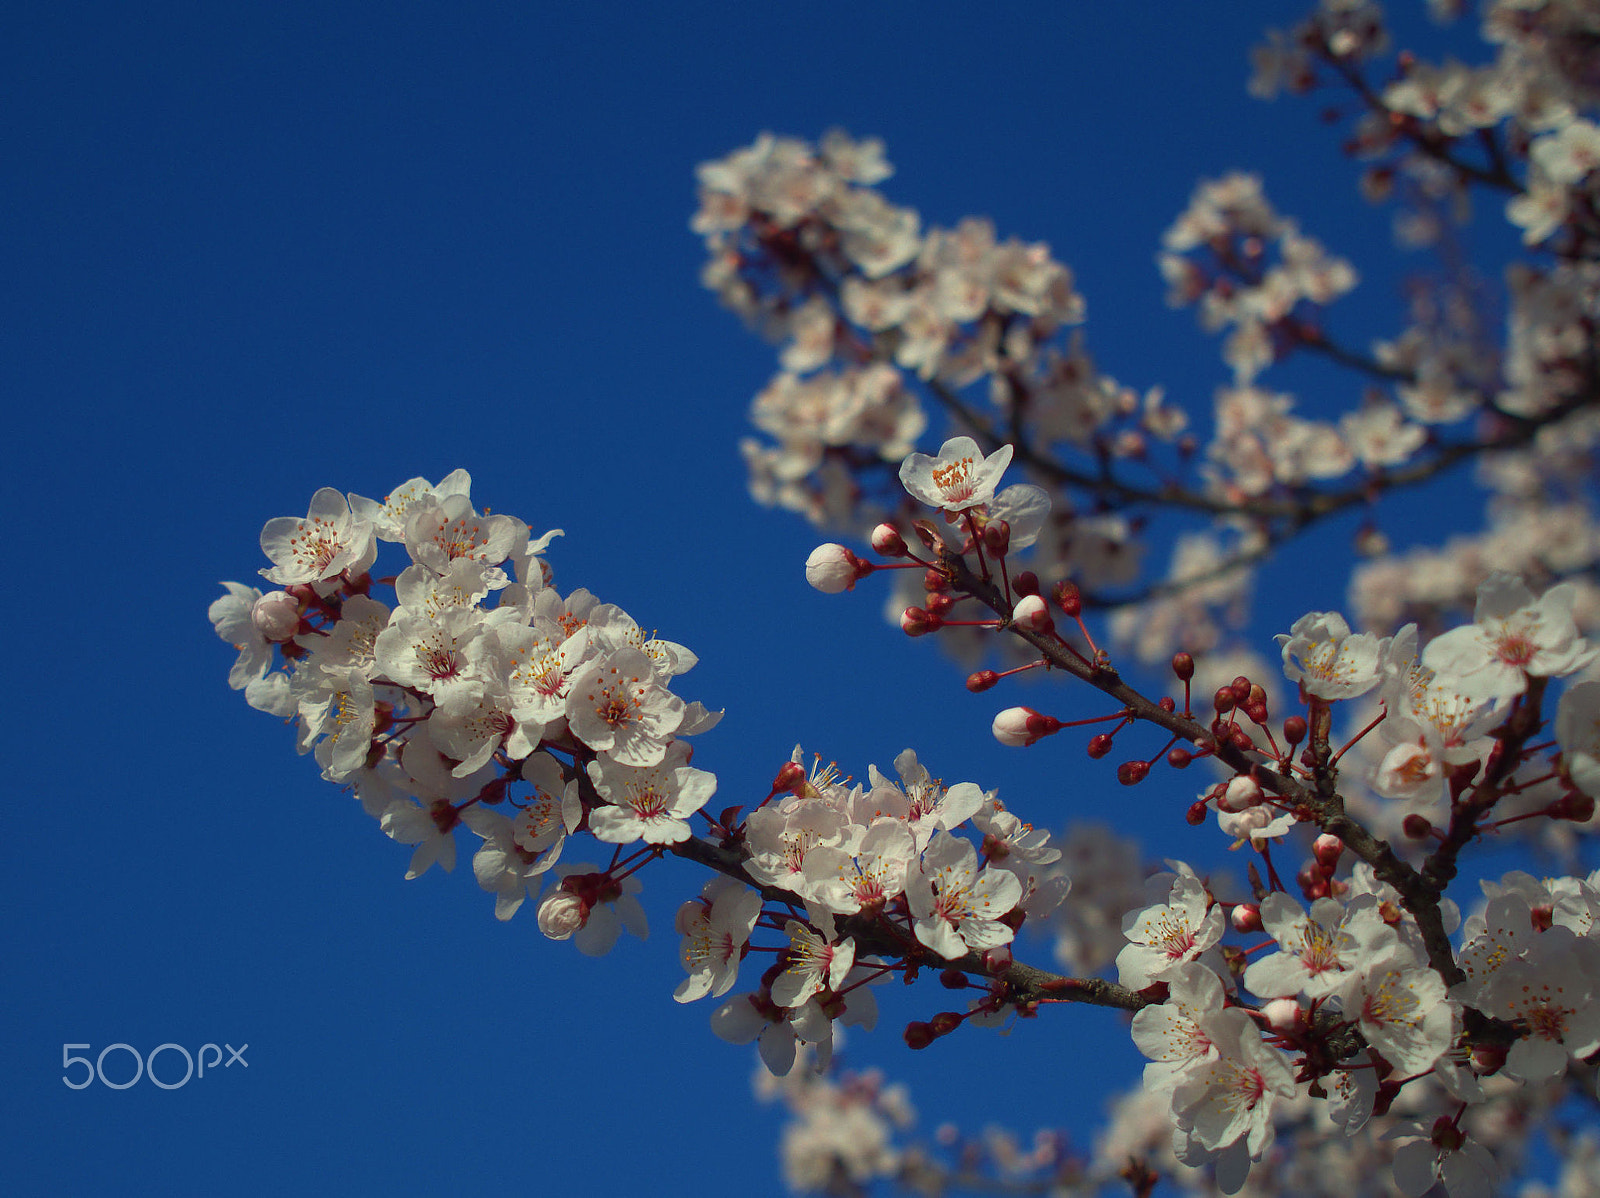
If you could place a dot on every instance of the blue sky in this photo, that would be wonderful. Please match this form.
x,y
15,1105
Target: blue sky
x,y
257,250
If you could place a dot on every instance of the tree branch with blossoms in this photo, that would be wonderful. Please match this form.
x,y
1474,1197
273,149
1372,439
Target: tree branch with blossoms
x,y
465,694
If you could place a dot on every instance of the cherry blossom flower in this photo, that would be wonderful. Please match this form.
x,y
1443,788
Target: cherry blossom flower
x,y
1512,636
1173,1033
616,706
715,928
1227,1100
1400,1006
232,616
1328,660
815,962
650,803
1164,936
328,542
957,905
958,478
1442,1154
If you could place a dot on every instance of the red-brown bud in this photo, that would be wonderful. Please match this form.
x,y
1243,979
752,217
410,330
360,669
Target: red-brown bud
x,y
1130,773
1099,745
918,1035
997,537
1183,666
1068,598
1327,849
1168,704
1574,805
1241,689
1179,757
914,621
939,603
981,680
952,979
1196,815
792,777
944,1023
1294,729
1223,700
1026,583
1416,826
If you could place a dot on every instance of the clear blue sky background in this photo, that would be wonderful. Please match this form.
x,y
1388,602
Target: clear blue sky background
x,y
254,250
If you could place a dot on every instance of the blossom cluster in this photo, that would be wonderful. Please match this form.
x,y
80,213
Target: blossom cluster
x,y
1357,991
485,698
886,325
480,697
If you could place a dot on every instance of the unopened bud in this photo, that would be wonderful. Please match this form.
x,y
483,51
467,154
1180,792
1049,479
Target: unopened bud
x,y
1196,815
1223,700
1183,666
1312,884
1327,849
1131,773
1574,805
561,914
1032,614
1021,726
1294,729
1241,794
886,539
1246,918
1416,826
1068,598
1026,583
953,979
981,680
1179,758
997,537
918,1035
1099,745
938,603
833,568
935,582
791,777
276,616
1281,1014
914,621
1241,689
944,1023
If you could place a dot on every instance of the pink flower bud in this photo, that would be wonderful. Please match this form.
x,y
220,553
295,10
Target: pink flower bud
x,y
1246,917
276,616
833,568
886,539
562,913
1281,1014
1241,794
1021,726
1032,613
1327,848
